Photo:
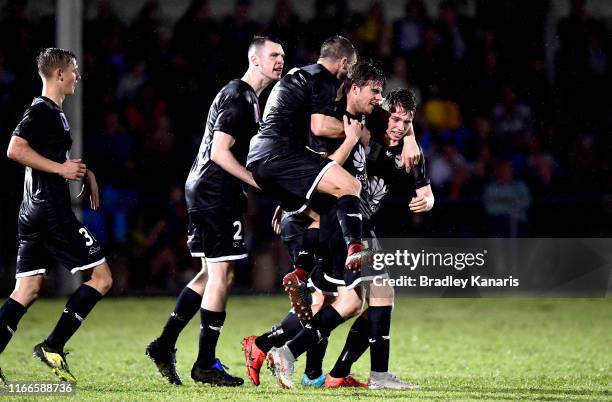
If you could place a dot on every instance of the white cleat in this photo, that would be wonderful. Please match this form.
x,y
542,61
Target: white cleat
x,y
388,380
281,363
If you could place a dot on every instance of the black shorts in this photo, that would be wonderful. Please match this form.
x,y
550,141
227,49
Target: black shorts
x,y
335,272
293,227
216,234
47,236
291,178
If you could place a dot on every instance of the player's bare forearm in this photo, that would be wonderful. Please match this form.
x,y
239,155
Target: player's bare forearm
x,y
227,161
20,151
341,154
326,126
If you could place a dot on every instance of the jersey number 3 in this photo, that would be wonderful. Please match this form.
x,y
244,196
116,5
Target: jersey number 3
x,y
88,240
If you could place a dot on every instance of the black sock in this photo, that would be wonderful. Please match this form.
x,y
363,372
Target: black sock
x,y
314,359
321,325
380,323
306,256
280,334
349,216
356,344
79,305
212,323
10,315
187,305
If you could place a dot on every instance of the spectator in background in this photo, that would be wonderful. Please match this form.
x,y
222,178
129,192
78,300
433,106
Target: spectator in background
x,y
407,30
512,122
507,201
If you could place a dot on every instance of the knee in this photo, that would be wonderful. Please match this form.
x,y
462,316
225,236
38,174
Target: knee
x,y
229,279
102,282
26,293
354,187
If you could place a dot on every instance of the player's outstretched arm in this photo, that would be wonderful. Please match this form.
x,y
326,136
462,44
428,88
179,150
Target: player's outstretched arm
x,y
220,154
326,126
20,151
411,153
424,200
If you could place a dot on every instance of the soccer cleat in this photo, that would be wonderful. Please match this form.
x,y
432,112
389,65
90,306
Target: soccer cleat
x,y
55,359
348,381
254,358
3,378
358,257
281,364
388,381
315,383
299,295
216,375
165,360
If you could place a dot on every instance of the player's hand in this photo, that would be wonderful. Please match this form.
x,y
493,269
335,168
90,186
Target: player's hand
x,y
421,204
353,129
410,153
73,169
276,220
94,192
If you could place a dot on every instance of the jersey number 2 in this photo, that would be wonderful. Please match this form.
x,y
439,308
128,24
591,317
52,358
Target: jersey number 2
x,y
88,240
238,234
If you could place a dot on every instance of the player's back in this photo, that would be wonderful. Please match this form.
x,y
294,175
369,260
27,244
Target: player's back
x,y
286,119
234,111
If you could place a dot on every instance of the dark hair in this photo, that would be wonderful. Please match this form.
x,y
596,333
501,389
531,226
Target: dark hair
x,y
399,99
336,48
51,58
362,73
260,41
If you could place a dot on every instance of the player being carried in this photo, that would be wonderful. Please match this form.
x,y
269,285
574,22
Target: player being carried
x,y
384,171
49,232
216,203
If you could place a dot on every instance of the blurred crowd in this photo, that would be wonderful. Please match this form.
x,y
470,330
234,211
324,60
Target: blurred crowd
x,y
513,147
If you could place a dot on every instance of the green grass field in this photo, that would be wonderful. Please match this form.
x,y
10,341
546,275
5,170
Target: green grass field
x,y
456,349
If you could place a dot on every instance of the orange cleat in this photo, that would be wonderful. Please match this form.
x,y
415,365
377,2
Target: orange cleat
x,y
348,381
253,357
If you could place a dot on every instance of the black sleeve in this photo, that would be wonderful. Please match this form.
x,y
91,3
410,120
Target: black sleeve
x,y
323,97
420,172
32,125
234,115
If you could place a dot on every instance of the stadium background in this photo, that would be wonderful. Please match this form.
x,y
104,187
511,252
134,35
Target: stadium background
x,y
515,116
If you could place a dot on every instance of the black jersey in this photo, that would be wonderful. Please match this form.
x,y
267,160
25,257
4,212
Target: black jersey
x,y
286,120
235,111
378,168
45,127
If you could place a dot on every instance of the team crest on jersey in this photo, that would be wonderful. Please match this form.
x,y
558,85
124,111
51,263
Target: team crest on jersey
x,y
64,121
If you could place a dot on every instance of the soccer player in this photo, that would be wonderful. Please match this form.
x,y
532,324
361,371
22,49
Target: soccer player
x,y
374,324
365,91
49,232
216,202
284,168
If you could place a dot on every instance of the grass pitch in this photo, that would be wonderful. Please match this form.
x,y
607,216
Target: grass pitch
x,y
456,349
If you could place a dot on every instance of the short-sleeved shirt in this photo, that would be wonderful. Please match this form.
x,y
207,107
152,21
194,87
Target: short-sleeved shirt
x,y
286,120
235,111
45,127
